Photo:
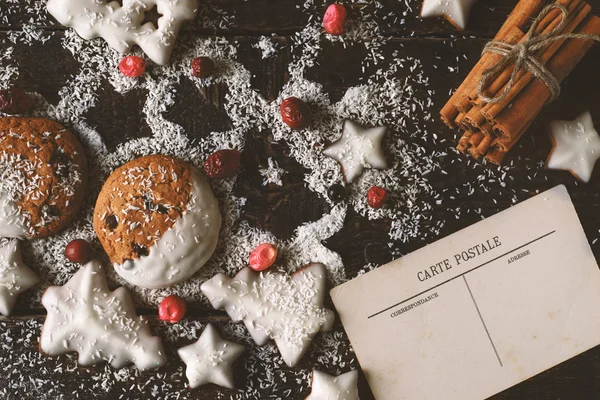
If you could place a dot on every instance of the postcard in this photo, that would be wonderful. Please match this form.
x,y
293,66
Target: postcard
x,y
478,311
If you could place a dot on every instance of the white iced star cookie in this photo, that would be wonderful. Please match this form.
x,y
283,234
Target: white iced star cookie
x,y
84,316
327,387
287,309
15,276
455,11
123,26
357,149
576,146
210,359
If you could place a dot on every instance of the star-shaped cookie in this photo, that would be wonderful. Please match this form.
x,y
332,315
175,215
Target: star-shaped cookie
x,y
210,359
357,149
576,146
455,11
327,387
15,276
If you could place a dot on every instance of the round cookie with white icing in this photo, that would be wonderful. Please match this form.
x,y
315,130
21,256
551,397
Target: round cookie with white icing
x,y
158,221
43,174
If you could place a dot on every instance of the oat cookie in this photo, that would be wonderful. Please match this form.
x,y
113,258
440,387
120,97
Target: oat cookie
x,y
43,174
157,220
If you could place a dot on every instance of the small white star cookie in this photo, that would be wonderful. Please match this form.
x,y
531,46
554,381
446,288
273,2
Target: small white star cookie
x,y
15,276
357,149
576,146
455,11
327,387
210,359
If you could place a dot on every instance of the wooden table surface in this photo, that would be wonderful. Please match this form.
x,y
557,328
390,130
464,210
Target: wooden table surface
x,y
45,67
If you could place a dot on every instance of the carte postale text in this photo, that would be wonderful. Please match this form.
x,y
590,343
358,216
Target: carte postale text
x,y
458,258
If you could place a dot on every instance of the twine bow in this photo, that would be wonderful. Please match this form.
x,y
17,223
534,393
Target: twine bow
x,y
522,55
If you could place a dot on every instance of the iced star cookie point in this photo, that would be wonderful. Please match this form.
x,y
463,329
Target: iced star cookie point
x,y
15,276
455,11
576,146
327,387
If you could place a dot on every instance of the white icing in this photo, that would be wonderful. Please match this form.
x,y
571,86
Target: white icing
x,y
327,387
12,223
275,306
457,11
184,248
84,316
357,149
15,276
576,146
121,26
210,359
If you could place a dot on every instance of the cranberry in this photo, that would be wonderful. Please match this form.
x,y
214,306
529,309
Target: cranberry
x,y
79,251
334,18
295,113
203,67
171,309
222,164
336,193
15,101
132,66
377,196
263,256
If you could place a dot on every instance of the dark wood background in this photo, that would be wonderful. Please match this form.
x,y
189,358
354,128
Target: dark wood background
x,y
45,68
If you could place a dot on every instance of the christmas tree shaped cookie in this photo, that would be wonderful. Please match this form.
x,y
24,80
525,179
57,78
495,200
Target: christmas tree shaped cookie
x,y
86,317
287,309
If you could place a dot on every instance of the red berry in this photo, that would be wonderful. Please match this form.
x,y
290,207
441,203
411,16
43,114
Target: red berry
x,y
203,67
262,257
79,251
15,101
222,164
171,309
132,66
295,113
334,18
377,196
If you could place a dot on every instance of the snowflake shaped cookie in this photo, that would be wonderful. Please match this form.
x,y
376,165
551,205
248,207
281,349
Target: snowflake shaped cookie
x,y
15,276
275,306
357,149
210,359
123,26
576,146
327,387
86,317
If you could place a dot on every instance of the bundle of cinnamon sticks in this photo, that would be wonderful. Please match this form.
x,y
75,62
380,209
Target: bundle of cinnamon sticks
x,y
492,129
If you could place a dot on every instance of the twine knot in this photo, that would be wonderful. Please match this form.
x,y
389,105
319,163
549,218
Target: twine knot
x,y
522,55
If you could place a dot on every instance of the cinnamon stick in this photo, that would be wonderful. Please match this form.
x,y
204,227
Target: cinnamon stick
x,y
495,156
546,25
464,141
528,103
524,77
464,103
519,17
